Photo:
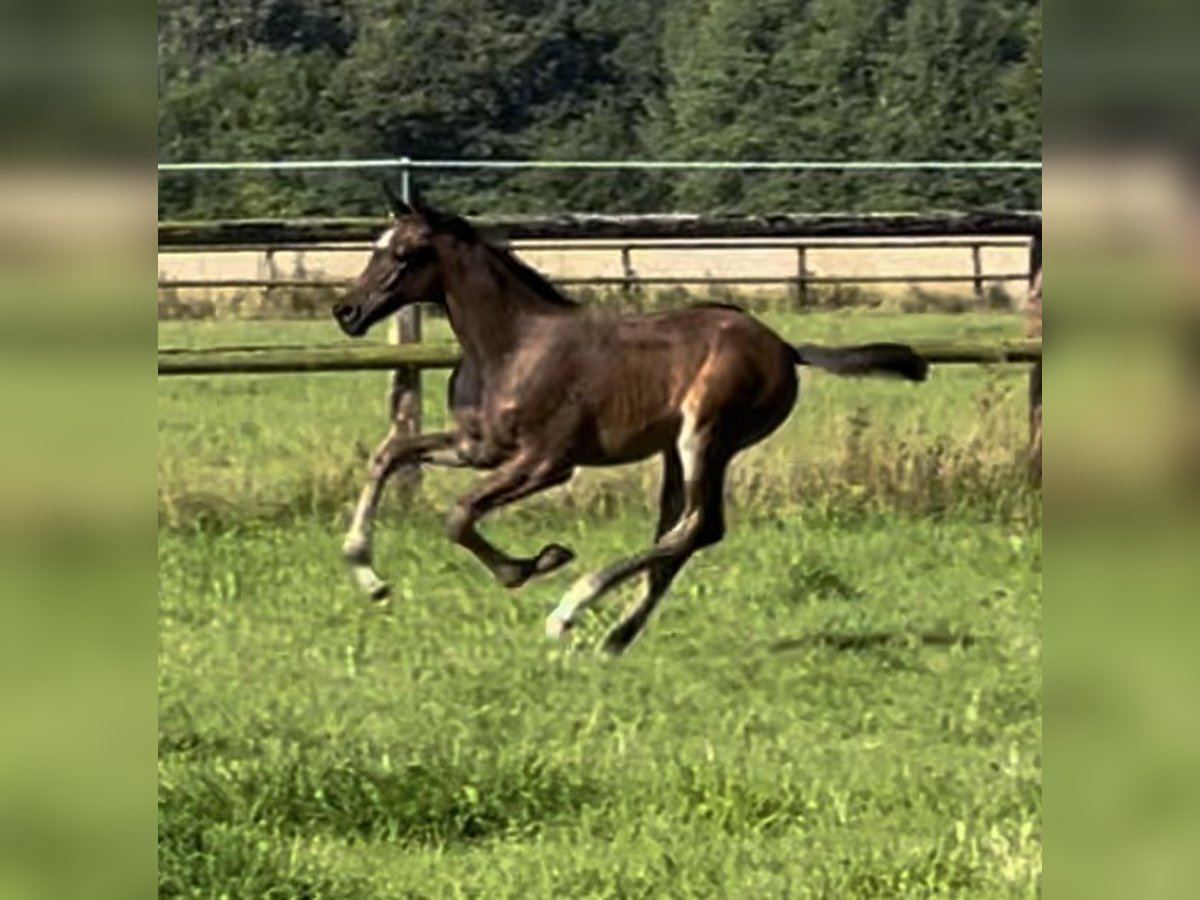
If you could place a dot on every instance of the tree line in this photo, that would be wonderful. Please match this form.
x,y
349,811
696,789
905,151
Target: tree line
x,y
599,79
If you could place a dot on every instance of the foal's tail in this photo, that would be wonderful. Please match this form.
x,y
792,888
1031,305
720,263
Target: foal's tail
x,y
889,360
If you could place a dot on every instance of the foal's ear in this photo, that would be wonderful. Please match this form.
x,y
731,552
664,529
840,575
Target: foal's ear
x,y
434,219
421,209
396,205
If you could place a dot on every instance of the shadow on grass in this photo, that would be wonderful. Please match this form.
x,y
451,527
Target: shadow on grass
x,y
871,640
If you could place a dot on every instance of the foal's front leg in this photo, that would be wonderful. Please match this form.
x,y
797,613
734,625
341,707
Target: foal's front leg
x,y
520,477
394,453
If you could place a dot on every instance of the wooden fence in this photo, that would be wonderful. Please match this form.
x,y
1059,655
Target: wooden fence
x,y
263,360
631,279
249,233
408,357
595,234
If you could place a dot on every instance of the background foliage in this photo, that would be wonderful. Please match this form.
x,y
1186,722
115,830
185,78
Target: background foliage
x,y
624,79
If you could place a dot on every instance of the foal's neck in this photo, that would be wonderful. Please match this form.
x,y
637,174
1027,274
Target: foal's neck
x,y
490,303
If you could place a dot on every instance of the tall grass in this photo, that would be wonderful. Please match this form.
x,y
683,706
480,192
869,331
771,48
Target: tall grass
x,y
817,711
280,447
842,699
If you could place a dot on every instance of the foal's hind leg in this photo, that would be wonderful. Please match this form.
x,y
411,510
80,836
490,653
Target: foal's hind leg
x,y
516,479
659,577
700,524
392,454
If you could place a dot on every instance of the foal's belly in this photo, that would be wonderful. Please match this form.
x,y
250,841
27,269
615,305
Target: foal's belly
x,y
616,445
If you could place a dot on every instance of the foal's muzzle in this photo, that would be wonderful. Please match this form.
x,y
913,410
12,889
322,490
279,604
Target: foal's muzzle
x,y
351,319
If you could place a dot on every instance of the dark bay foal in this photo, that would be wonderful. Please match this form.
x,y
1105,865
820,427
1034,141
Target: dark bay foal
x,y
546,386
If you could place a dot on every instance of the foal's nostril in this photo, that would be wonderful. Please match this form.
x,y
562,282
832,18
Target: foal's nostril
x,y
349,317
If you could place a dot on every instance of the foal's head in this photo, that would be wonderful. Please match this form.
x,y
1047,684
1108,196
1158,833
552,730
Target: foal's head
x,y
403,269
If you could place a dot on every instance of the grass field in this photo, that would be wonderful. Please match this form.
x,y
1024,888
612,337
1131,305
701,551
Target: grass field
x,y
841,700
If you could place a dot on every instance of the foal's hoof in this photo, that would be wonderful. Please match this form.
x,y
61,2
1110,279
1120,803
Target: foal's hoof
x,y
551,557
557,629
377,590
616,642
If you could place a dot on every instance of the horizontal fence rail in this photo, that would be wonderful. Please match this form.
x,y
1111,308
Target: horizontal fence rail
x,y
275,232
612,245
619,280
262,360
405,163
799,280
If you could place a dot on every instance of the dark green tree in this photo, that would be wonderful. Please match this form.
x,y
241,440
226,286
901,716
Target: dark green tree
x,y
591,79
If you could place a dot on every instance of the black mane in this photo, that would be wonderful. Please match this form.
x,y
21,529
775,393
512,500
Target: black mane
x,y
528,276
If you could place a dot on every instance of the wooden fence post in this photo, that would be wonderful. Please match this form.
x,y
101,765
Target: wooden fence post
x,y
627,271
977,269
404,398
1034,329
802,276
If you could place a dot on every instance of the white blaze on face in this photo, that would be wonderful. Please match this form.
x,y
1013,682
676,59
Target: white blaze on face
x,y
385,239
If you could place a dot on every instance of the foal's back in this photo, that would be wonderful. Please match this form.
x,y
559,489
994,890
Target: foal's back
x,y
676,347
631,379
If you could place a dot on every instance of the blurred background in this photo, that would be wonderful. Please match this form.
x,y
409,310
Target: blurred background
x,y
77,636
77,203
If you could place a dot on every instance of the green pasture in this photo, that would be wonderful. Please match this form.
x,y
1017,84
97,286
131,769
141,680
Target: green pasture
x,y
271,445
843,699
